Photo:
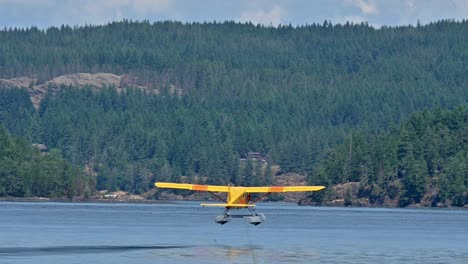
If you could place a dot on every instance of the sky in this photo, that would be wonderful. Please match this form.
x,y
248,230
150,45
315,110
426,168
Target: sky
x,y
46,13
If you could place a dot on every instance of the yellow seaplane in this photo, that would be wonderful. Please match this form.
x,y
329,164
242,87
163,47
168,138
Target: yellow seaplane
x,y
238,197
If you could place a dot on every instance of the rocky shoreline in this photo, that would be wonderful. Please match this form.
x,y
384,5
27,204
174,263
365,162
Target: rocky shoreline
x,y
172,198
80,200
340,195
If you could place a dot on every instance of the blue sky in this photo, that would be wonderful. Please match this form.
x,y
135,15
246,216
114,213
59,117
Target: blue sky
x,y
45,13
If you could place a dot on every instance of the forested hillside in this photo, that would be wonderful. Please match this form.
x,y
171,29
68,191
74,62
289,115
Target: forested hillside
x,y
221,90
24,171
422,161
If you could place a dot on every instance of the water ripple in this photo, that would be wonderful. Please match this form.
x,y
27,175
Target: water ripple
x,y
22,251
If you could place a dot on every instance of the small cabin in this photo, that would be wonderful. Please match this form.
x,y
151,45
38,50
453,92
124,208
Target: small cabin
x,y
255,156
110,195
41,147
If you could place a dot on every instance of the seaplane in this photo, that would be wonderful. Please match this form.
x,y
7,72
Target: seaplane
x,y
238,197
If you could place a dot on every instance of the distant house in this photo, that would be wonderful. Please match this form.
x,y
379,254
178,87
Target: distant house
x,y
255,156
41,147
110,195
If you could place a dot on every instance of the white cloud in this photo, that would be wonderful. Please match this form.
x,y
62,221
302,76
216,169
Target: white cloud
x,y
144,7
274,16
140,7
367,7
104,11
425,11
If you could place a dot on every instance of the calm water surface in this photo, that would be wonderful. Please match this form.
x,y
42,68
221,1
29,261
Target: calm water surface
x,y
183,232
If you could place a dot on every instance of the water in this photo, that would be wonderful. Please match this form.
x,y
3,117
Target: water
x,y
184,232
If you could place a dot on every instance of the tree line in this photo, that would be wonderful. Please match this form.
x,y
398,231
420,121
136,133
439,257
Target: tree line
x,y
25,172
289,93
422,160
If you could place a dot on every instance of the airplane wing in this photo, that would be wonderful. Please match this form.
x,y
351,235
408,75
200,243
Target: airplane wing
x,y
193,187
275,189
218,188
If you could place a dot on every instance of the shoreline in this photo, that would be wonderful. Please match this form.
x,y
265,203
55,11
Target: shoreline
x,y
79,200
147,201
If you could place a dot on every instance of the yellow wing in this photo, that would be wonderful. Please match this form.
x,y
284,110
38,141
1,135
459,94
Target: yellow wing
x,y
193,187
274,189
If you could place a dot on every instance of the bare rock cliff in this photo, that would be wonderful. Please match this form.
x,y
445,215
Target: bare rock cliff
x,y
38,91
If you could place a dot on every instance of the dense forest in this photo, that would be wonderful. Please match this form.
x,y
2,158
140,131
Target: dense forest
x,y
292,94
24,171
424,160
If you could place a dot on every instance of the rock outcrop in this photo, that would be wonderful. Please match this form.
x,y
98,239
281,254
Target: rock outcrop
x,y
20,82
38,91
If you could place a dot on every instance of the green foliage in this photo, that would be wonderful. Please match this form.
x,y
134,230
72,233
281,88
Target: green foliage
x,y
26,172
428,151
17,113
454,180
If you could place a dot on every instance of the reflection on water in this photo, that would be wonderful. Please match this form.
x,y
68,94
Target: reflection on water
x,y
239,254
232,254
258,254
